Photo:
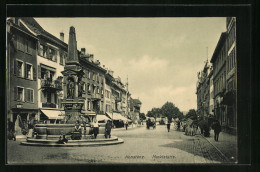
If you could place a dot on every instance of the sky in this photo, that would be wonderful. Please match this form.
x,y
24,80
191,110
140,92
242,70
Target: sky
x,y
160,56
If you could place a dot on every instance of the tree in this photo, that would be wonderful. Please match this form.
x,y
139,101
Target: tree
x,y
191,114
142,116
155,112
170,111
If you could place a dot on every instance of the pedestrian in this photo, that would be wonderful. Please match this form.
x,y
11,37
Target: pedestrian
x,y
78,126
30,127
85,127
126,125
77,134
95,127
178,125
168,125
63,140
217,129
108,127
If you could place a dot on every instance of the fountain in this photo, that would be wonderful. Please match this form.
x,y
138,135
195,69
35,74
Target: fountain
x,y
49,134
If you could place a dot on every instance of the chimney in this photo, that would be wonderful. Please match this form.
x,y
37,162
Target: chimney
x,y
62,36
91,57
83,51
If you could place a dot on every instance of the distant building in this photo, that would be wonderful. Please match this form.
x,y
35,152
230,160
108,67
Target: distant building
x,y
135,107
93,84
109,101
211,92
203,92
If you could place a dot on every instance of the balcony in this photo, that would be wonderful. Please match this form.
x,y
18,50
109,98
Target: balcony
x,y
49,105
96,96
52,86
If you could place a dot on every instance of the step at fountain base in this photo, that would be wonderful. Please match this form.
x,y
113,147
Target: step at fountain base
x,y
99,141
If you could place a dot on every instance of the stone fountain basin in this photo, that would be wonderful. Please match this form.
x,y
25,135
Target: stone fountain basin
x,y
63,129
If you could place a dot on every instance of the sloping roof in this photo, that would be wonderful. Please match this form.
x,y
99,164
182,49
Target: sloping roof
x,y
220,44
35,27
137,101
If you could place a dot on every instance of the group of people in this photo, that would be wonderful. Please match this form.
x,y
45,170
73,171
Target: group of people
x,y
77,134
192,129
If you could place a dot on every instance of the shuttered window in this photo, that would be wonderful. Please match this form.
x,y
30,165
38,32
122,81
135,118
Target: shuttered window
x,y
20,43
29,71
20,93
20,68
29,95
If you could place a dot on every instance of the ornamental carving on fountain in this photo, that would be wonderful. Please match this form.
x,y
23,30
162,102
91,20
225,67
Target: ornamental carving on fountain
x,y
73,73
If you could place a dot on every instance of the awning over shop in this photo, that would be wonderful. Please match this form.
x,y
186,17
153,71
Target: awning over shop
x,y
117,116
54,114
90,113
102,117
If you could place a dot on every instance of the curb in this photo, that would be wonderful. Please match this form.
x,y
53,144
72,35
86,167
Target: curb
x,y
226,158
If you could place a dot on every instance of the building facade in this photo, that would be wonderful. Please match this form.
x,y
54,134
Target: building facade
x,y
135,108
35,83
21,75
203,92
93,84
51,55
219,79
229,98
211,92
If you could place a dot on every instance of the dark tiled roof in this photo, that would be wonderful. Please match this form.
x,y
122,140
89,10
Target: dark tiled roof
x,y
137,101
35,27
220,44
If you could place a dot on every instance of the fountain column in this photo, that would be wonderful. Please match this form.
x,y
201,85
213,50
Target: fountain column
x,y
72,73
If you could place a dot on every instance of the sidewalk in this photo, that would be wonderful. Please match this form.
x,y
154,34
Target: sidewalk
x,y
227,144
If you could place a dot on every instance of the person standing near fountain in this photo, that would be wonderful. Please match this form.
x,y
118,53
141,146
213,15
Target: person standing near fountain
x,y
108,127
95,127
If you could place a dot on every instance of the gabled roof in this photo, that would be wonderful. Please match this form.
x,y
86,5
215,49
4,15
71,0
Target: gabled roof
x,y
32,24
22,29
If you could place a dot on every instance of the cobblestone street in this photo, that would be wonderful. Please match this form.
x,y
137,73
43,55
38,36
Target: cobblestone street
x,y
140,146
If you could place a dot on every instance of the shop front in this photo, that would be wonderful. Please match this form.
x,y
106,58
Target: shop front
x,y
23,119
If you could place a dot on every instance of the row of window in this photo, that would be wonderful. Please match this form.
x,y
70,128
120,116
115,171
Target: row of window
x,y
94,89
220,83
231,36
24,69
51,53
220,59
90,105
47,52
94,76
231,60
231,85
25,45
24,94
107,94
